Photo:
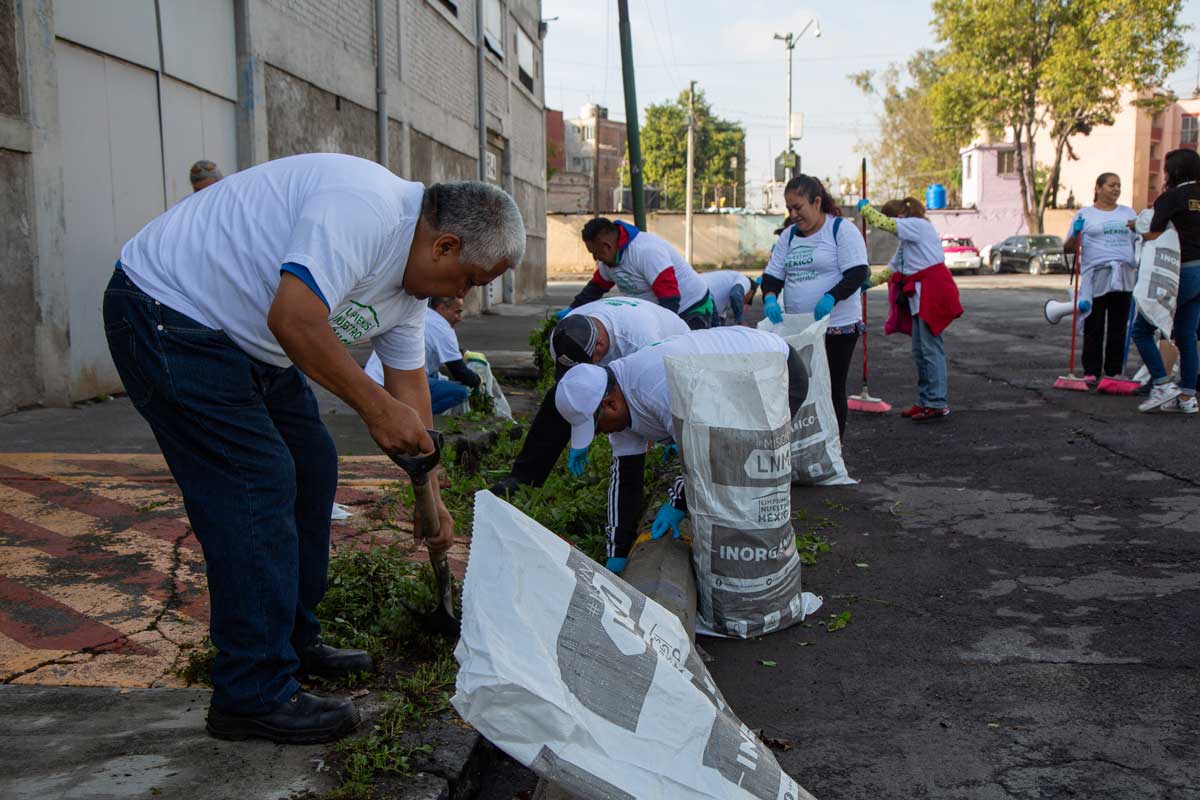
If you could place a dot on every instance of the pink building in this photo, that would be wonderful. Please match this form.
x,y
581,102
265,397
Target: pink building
x,y
991,196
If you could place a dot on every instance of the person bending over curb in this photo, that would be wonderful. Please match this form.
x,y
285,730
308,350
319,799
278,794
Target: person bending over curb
x,y
644,266
595,333
216,312
628,399
731,292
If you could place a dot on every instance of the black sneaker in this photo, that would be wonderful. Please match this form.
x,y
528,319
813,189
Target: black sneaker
x,y
319,660
504,487
302,719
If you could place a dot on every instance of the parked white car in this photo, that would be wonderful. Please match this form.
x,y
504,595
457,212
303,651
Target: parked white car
x,y
961,254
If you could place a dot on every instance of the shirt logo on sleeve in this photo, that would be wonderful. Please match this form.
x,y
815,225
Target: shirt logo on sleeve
x,y
354,321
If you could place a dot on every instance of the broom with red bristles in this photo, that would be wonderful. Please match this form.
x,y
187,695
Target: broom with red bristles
x,y
1070,382
864,401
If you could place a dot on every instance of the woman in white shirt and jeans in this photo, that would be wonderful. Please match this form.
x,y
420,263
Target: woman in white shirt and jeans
x,y
818,266
1107,277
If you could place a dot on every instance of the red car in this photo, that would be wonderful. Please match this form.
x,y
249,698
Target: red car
x,y
961,254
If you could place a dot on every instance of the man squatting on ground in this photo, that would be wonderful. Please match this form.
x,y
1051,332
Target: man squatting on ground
x,y
596,333
629,399
441,351
731,292
213,313
647,267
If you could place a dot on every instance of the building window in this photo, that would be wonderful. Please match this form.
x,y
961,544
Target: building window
x,y
493,27
453,6
967,171
526,68
1189,131
1006,162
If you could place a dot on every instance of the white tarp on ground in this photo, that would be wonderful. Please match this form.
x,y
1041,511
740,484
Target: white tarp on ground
x,y
579,676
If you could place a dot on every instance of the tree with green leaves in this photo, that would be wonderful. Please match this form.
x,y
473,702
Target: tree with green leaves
x,y
912,150
719,160
1053,66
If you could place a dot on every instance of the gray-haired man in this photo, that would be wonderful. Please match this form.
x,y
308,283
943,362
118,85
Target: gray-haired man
x,y
214,310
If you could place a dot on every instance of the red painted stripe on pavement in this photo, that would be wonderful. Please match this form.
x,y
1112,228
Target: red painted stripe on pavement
x,y
115,514
84,554
42,623
125,469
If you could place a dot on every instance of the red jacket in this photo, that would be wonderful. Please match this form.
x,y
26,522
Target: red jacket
x,y
939,300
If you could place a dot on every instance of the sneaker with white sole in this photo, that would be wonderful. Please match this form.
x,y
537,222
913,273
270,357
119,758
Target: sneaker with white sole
x,y
1181,404
1159,394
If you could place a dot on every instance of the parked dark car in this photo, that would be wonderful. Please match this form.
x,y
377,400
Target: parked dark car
x,y
1037,255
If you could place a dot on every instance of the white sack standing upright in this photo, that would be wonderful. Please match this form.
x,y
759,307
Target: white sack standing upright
x,y
732,425
577,675
1157,290
816,444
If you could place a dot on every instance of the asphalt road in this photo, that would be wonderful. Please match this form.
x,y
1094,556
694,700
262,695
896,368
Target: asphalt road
x,y
1023,580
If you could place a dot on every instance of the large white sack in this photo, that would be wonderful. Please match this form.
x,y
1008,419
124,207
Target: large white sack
x,y
816,445
478,363
580,677
1157,289
733,429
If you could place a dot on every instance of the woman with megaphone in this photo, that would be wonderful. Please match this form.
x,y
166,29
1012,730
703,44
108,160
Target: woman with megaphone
x,y
924,298
1106,278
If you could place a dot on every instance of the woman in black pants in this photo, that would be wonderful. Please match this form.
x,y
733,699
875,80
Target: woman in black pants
x,y
819,265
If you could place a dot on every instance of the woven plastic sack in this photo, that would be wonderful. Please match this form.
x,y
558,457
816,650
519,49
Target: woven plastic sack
x,y
816,445
1157,290
580,677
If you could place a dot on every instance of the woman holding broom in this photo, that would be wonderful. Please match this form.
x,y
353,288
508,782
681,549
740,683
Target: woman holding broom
x,y
924,298
1106,277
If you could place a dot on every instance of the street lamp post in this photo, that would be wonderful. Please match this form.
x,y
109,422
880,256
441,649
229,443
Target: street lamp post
x,y
789,41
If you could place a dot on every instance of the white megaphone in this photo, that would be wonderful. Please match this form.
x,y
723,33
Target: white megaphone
x,y
1057,309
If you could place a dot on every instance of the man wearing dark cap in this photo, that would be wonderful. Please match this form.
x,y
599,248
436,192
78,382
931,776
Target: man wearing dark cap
x,y
203,173
594,333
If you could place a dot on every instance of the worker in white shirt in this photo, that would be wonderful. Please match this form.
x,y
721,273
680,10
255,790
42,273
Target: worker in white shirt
x,y
441,353
596,333
644,266
628,399
219,312
731,293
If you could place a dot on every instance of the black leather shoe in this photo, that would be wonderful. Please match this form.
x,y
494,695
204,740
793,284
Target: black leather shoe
x,y
303,719
319,660
505,487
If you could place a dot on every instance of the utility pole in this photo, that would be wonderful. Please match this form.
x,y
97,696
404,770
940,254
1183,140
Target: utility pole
x,y
631,117
789,41
691,149
596,159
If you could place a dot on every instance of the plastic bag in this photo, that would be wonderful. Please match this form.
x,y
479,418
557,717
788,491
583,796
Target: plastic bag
x,y
580,677
816,445
478,363
1157,289
733,429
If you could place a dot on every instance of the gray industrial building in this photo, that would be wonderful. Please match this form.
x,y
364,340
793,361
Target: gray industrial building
x,y
104,105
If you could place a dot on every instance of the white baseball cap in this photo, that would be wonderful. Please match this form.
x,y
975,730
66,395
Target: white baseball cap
x,y
578,398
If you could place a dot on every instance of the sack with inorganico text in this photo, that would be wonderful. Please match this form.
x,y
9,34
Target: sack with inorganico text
x,y
580,677
1157,290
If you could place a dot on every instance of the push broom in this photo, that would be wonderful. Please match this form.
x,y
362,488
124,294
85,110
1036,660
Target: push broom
x,y
1070,382
1120,384
864,401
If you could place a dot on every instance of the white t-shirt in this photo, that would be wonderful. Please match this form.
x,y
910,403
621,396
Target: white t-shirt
x,y
631,324
643,379
441,345
1107,241
646,257
920,247
215,256
720,283
810,266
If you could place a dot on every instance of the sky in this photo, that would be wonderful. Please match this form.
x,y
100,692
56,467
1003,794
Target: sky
x,y
743,70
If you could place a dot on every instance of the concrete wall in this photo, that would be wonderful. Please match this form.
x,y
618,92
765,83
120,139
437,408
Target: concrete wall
x,y
733,240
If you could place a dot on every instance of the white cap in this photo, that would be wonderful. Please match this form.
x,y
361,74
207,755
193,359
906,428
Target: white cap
x,y
578,397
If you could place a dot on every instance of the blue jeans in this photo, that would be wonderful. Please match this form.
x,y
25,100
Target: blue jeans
x,y
929,354
258,471
1187,316
445,395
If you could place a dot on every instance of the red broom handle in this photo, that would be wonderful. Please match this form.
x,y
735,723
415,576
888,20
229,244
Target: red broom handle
x,y
1075,301
863,220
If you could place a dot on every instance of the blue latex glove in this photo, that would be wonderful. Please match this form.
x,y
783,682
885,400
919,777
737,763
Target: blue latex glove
x,y
771,308
669,451
615,565
562,312
1077,226
667,519
862,204
824,306
577,461
1085,306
